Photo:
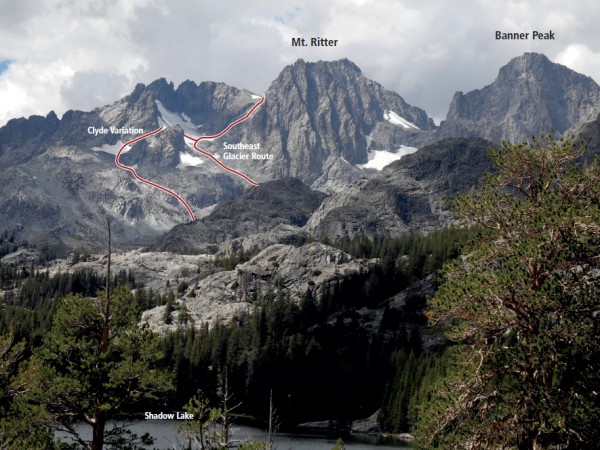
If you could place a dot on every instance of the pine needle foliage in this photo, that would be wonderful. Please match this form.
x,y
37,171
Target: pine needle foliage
x,y
523,307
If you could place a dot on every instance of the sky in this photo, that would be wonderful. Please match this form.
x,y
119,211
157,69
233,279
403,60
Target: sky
x,y
81,54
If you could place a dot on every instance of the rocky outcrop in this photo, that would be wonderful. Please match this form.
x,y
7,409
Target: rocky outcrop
x,y
530,96
21,257
409,194
210,106
254,243
282,271
162,154
587,133
159,271
258,211
295,270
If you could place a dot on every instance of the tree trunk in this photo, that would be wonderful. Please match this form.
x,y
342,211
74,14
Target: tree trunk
x,y
271,430
100,419
98,432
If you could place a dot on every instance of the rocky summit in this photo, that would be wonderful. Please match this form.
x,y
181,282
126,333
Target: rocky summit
x,y
531,95
318,113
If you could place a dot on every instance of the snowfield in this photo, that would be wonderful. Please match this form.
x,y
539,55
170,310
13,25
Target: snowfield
x,y
394,118
111,149
170,119
187,160
378,159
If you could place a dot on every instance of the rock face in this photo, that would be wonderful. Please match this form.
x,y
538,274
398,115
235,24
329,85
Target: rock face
x,y
317,114
531,95
257,212
159,271
21,139
588,134
409,194
284,270
64,180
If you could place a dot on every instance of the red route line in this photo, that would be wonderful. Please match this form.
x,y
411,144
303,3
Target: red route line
x,y
137,177
229,127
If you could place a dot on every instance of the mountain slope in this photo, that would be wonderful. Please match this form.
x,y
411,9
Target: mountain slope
x,y
318,116
407,195
531,95
261,209
64,180
318,122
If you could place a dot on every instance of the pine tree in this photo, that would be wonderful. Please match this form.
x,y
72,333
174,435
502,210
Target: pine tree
x,y
93,364
198,431
20,423
168,314
523,306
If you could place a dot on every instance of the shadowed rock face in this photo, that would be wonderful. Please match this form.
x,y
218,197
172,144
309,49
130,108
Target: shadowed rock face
x,y
258,211
409,194
587,134
531,95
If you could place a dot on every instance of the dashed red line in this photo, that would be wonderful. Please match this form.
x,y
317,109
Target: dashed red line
x,y
229,127
150,183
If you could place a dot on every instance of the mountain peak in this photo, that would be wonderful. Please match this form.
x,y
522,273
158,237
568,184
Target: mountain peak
x,y
328,111
536,65
530,57
530,95
343,67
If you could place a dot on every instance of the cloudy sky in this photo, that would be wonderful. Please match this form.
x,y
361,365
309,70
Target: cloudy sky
x,y
79,54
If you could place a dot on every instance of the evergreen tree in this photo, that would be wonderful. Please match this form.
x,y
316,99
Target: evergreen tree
x,y
168,314
94,362
198,432
20,423
523,306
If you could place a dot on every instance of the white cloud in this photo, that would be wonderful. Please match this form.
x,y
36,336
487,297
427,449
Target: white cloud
x,y
76,54
581,58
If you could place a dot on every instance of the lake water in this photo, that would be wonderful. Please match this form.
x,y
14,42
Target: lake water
x,y
166,437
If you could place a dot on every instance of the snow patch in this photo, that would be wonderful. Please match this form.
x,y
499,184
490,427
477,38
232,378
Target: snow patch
x,y
112,149
170,119
187,160
255,97
369,139
378,159
394,118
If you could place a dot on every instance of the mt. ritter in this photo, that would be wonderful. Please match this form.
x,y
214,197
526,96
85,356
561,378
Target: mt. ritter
x,y
324,123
